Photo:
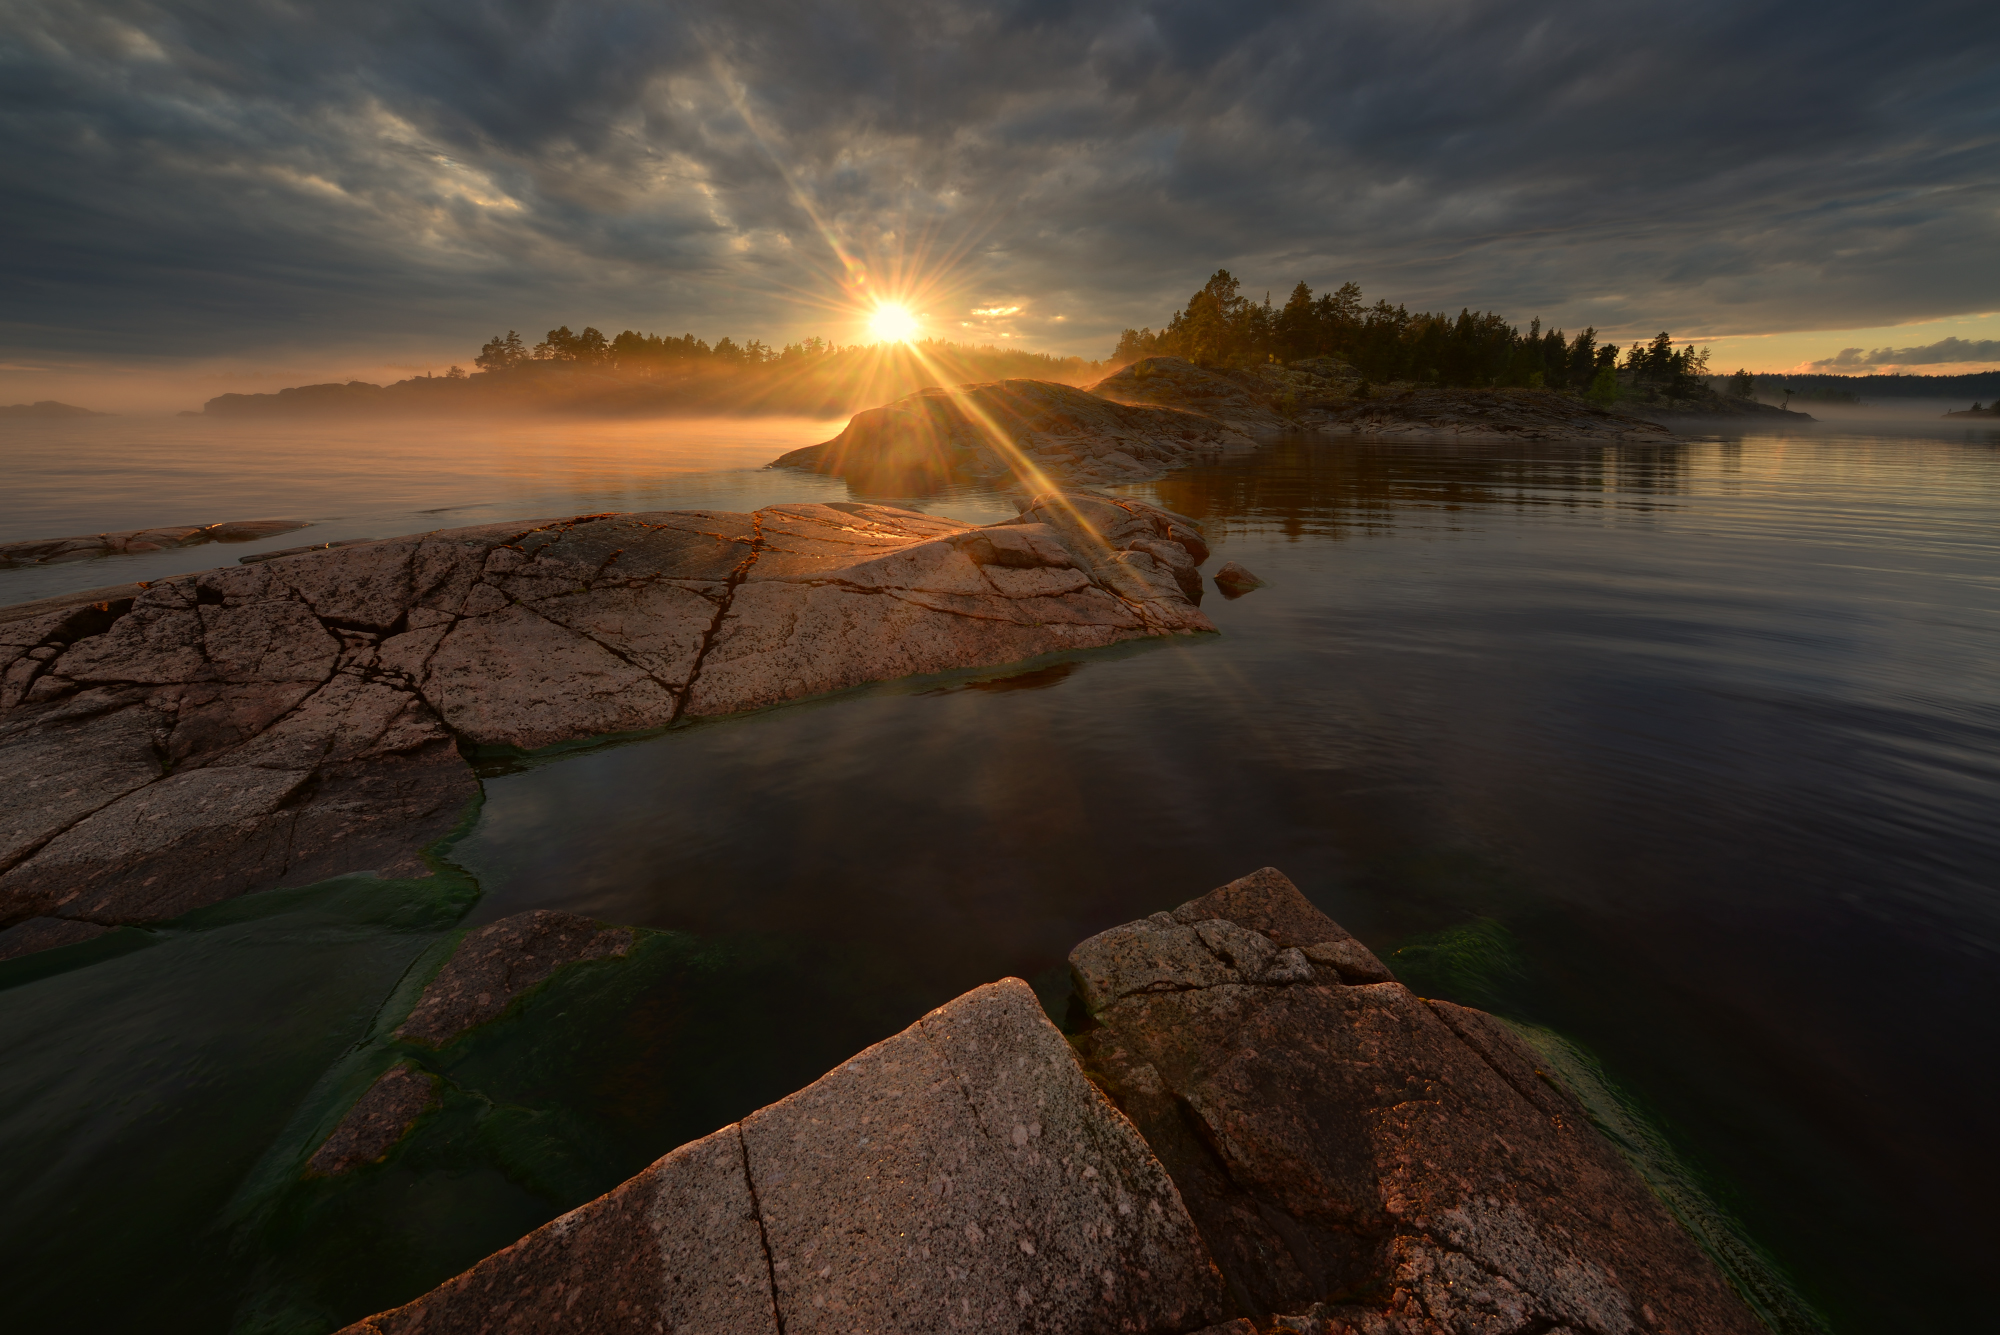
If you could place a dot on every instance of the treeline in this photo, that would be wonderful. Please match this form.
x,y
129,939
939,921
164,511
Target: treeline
x,y
1979,385
632,354
644,374
632,351
1221,327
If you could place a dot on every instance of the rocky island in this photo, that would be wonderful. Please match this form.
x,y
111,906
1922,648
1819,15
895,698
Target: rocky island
x,y
1163,413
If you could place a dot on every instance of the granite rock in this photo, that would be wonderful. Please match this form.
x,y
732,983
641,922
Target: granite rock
x,y
45,551
962,1175
1235,581
497,963
1363,1162
1032,433
168,745
676,1248
379,1119
39,934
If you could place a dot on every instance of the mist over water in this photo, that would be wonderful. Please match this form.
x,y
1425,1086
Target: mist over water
x,y
1688,755
377,479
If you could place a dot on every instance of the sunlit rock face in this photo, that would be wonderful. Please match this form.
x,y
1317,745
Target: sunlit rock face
x,y
1256,1128
1164,413
962,1175
1362,1161
1031,432
277,723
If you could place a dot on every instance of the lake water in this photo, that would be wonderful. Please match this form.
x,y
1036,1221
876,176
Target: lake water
x,y
1688,756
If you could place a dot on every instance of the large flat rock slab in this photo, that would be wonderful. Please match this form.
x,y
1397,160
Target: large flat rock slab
x,y
962,1175
172,744
1362,1160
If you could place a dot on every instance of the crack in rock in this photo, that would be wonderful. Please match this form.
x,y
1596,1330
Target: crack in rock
x,y
365,671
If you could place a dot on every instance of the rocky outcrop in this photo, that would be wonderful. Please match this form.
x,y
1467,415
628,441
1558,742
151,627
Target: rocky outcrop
x,y
279,723
48,551
1364,1162
1235,580
1281,1137
499,962
962,1175
1708,405
1163,413
377,1122
1031,433
1486,414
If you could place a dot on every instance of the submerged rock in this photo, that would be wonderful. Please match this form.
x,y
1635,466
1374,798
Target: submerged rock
x,y
46,551
960,1175
379,1119
499,962
1365,1160
1235,581
39,934
198,737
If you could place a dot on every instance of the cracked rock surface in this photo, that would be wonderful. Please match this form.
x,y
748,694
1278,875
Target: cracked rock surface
x,y
962,1175
1365,1162
174,744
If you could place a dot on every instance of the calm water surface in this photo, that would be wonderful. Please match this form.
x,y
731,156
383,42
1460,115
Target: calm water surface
x,y
1690,755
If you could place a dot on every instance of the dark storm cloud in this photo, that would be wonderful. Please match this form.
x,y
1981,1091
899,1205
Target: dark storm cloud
x,y
200,177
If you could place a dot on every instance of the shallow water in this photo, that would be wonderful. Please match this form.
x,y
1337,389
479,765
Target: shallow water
x,y
1689,756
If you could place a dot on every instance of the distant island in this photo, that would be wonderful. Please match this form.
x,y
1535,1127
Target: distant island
x,y
46,408
1388,347
648,375
1976,411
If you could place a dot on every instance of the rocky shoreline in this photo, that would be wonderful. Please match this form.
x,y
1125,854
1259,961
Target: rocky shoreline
x,y
49,551
1163,413
1253,1127
200,737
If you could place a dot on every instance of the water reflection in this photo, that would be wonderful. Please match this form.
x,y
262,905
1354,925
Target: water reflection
x,y
1310,484
1710,729
1687,753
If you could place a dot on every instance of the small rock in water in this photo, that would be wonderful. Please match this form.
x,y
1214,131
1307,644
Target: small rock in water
x,y
377,1121
499,962
1235,581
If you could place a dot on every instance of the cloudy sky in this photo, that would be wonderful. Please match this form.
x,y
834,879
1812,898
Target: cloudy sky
x,y
288,185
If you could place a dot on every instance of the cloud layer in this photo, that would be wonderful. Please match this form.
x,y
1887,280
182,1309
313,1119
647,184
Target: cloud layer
x,y
212,176
1946,352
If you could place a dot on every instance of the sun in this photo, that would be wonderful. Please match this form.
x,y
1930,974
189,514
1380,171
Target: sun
x,y
892,323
